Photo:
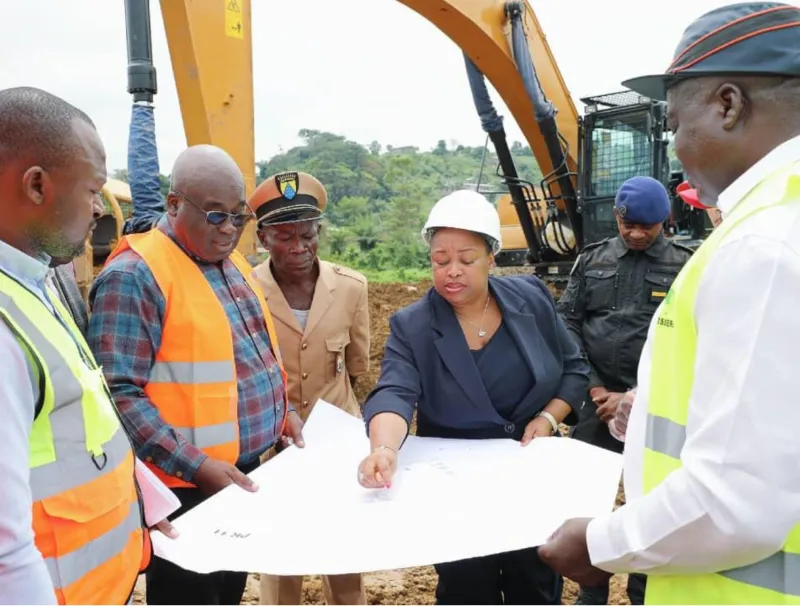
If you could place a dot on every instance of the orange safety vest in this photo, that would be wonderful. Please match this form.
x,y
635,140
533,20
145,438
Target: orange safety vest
x,y
88,518
193,379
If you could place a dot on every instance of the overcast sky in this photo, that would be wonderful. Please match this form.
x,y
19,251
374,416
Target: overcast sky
x,y
378,70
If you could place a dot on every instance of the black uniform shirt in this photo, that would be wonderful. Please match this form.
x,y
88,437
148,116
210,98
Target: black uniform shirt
x,y
611,297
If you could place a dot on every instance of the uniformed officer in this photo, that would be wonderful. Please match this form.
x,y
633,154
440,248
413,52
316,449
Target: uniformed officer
x,y
322,322
613,292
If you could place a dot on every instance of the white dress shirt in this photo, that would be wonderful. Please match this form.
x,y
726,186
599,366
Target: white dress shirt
x,y
23,576
737,494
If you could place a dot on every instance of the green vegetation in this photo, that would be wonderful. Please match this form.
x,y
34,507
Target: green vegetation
x,y
378,198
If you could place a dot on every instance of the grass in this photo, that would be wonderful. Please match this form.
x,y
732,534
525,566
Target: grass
x,y
379,276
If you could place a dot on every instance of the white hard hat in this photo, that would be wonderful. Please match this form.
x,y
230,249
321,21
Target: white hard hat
x,y
468,210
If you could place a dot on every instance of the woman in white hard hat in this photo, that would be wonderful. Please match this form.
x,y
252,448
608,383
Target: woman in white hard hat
x,y
478,357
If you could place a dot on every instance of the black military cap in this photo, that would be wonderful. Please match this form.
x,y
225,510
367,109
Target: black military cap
x,y
750,38
288,197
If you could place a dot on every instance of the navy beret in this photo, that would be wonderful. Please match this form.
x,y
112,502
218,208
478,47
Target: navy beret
x,y
642,200
749,38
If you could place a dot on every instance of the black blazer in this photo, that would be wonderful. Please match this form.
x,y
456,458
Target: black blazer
x,y
427,365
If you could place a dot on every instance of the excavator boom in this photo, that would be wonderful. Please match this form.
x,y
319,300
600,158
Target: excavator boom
x,y
480,28
211,48
210,44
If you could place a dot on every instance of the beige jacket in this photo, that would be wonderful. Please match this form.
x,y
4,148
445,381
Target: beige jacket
x,y
334,344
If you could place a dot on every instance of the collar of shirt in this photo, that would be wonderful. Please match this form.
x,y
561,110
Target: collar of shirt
x,y
780,156
31,271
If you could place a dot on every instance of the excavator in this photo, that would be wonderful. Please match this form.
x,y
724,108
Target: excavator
x,y
584,158
118,203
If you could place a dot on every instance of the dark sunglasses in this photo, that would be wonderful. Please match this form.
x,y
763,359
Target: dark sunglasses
x,y
218,217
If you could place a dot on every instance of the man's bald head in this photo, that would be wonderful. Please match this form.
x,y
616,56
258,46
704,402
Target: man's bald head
x,y
203,167
37,127
205,179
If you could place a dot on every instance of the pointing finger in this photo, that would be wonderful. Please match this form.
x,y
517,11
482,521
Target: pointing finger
x,y
242,480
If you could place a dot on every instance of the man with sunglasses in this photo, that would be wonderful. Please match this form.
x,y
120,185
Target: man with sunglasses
x,y
188,348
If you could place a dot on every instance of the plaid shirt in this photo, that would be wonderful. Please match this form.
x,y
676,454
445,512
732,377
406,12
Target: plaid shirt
x,y
125,334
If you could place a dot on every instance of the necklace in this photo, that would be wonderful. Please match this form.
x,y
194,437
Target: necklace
x,y
481,332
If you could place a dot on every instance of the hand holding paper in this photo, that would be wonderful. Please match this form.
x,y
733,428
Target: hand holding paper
x,y
293,432
213,475
159,501
567,553
378,469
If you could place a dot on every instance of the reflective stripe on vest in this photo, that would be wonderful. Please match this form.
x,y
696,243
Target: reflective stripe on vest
x,y
193,379
87,518
775,579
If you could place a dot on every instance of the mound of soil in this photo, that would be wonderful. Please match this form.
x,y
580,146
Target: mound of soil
x,y
384,300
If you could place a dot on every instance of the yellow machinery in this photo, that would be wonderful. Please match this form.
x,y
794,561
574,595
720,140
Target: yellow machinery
x,y
106,234
210,45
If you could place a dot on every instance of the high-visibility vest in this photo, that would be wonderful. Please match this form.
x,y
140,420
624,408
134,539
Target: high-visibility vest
x,y
773,579
193,379
88,519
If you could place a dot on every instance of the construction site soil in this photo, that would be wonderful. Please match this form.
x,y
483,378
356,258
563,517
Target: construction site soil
x,y
411,585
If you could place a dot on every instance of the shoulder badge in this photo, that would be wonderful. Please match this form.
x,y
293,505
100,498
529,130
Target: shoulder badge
x,y
288,184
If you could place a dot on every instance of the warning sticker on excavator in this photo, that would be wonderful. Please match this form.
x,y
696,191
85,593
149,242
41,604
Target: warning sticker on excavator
x,y
234,27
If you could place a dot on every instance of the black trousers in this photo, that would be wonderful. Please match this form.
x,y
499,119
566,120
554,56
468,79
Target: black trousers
x,y
167,583
514,577
637,584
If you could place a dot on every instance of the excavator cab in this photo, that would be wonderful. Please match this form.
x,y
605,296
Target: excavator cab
x,y
624,135
621,135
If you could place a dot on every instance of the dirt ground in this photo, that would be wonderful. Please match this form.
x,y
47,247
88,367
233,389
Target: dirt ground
x,y
413,585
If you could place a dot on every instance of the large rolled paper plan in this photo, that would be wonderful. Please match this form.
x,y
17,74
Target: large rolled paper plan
x,y
450,499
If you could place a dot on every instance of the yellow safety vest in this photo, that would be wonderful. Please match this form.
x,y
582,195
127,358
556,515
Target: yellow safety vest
x,y
88,519
776,579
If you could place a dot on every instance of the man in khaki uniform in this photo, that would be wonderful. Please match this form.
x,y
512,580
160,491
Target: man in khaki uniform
x,y
322,323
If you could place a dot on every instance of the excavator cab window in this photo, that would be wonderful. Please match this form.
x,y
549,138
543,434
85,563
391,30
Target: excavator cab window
x,y
621,149
622,135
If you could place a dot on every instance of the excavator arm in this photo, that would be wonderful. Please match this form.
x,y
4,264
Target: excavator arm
x,y
482,30
210,45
